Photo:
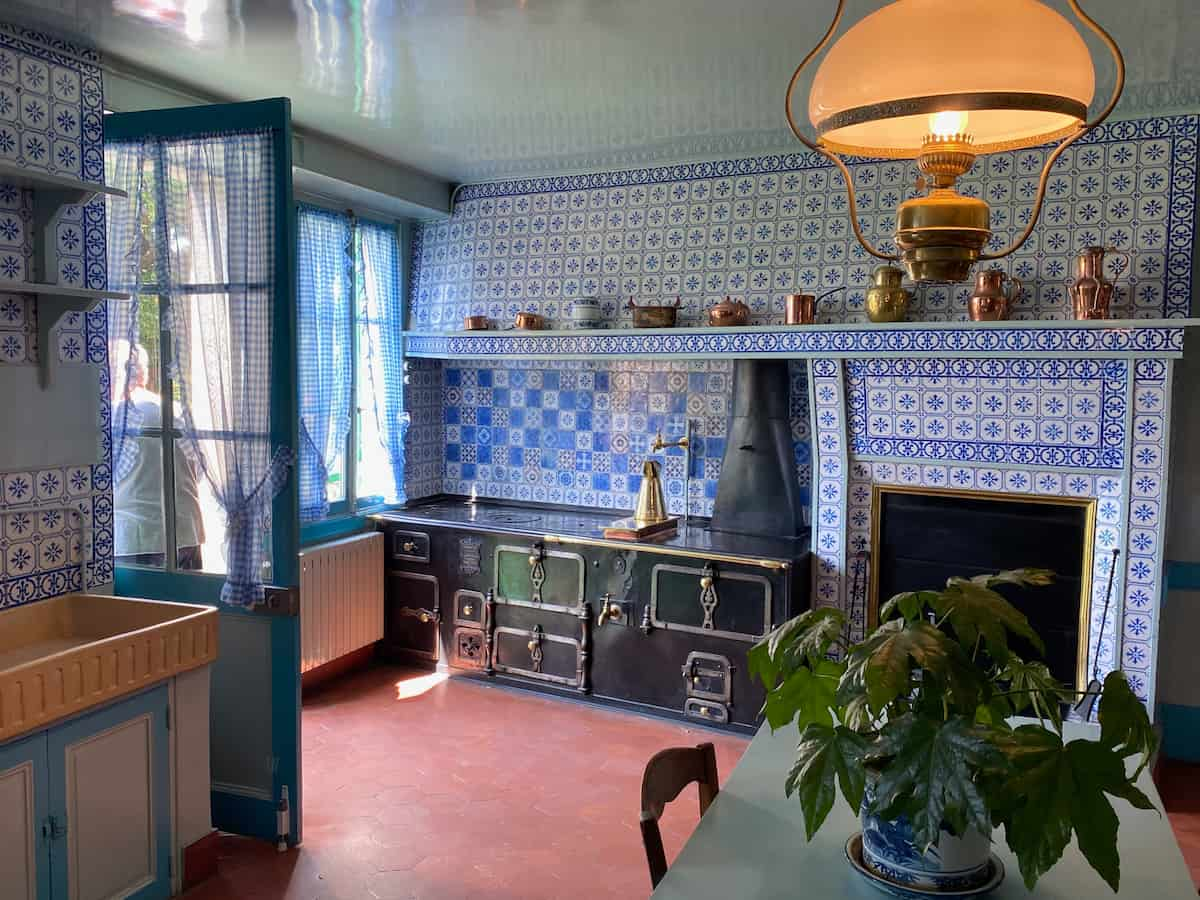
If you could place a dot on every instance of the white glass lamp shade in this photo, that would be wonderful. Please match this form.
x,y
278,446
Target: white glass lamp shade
x,y
1010,74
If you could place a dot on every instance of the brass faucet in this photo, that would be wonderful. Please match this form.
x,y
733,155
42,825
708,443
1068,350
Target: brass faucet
x,y
660,444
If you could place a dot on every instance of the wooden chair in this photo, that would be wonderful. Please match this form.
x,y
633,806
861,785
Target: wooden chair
x,y
668,773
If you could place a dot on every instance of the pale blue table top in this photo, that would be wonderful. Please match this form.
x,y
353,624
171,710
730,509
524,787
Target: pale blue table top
x,y
750,845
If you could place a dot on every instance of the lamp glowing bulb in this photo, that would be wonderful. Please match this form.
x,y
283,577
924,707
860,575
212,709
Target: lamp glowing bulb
x,y
948,123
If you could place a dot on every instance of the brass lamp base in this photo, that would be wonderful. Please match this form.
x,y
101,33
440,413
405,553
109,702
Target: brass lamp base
x,y
941,235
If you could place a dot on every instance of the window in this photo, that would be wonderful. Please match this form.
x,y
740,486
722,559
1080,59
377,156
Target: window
x,y
190,355
349,316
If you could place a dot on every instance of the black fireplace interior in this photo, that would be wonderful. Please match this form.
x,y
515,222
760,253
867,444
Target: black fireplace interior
x,y
923,539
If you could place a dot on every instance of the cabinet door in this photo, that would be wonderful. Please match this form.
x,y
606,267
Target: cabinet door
x,y
110,790
24,849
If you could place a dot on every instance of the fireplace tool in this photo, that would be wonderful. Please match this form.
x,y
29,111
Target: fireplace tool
x,y
1086,704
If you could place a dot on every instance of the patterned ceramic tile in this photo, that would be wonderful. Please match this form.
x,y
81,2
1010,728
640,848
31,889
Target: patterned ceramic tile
x,y
50,105
1040,412
764,227
577,433
55,524
721,343
1114,410
425,445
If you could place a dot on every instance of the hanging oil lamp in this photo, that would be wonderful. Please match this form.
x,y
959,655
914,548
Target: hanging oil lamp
x,y
974,77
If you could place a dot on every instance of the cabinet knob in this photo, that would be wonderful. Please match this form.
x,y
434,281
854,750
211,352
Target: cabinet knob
x,y
468,609
409,546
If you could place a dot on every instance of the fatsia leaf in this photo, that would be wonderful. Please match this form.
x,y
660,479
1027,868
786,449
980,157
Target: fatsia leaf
x,y
909,603
1058,789
1019,577
1124,723
975,610
805,695
1030,684
801,640
885,661
823,755
930,776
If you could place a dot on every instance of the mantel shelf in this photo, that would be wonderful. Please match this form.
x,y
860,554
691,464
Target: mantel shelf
x,y
1162,338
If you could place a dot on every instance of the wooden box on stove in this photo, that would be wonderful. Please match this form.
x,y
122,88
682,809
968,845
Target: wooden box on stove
x,y
660,629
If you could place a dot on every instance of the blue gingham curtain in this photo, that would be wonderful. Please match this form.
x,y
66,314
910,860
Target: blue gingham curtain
x,y
324,268
217,261
381,314
125,165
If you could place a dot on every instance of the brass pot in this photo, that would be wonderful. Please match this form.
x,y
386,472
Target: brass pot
x,y
527,321
887,301
653,316
475,323
729,312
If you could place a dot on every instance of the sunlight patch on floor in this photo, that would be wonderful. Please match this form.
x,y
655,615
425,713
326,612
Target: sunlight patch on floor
x,y
408,688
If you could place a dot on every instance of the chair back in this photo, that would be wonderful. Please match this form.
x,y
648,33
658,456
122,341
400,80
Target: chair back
x,y
667,774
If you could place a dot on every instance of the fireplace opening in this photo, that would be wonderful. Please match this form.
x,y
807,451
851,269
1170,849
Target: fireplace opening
x,y
921,536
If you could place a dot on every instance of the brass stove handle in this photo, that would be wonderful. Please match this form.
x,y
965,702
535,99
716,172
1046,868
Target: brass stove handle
x,y
468,609
532,645
706,582
408,546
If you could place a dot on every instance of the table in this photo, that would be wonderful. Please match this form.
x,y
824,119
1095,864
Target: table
x,y
750,845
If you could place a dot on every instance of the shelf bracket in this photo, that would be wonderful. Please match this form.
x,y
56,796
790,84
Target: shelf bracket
x,y
50,310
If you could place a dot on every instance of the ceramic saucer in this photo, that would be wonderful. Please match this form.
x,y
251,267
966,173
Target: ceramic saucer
x,y
897,889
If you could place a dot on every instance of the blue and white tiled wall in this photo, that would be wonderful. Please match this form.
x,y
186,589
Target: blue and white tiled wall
x,y
55,524
578,432
1090,429
761,228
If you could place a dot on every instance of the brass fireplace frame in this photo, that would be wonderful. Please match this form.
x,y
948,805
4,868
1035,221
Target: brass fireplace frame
x,y
1089,505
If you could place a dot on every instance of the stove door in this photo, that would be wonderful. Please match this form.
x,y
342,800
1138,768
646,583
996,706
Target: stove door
x,y
531,575
712,599
414,612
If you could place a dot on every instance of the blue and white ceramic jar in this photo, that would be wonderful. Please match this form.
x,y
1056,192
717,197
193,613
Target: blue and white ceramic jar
x,y
585,312
953,864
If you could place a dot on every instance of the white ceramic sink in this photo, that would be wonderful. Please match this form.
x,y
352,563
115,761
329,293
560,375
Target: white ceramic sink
x,y
64,655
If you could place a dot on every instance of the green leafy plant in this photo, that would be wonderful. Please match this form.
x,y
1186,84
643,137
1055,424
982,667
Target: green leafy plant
x,y
923,702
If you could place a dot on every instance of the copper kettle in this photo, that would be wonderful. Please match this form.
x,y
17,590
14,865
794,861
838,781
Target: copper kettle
x,y
1091,293
990,302
729,312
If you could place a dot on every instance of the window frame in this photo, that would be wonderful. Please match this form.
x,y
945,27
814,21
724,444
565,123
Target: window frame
x,y
350,513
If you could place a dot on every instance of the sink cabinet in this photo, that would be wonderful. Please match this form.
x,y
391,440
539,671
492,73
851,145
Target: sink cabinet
x,y
86,805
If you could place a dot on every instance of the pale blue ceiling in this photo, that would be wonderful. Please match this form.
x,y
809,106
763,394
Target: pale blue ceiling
x,y
495,88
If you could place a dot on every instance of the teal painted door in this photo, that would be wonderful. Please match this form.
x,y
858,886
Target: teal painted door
x,y
26,837
256,678
110,802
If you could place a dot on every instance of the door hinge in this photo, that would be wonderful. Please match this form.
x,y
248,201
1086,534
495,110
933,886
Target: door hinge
x,y
54,829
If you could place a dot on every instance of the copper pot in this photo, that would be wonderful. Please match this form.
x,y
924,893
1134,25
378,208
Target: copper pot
x,y
729,312
801,309
527,321
653,316
475,323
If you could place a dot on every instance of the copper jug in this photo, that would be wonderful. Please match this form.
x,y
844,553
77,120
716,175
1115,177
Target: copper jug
x,y
887,301
1091,293
990,302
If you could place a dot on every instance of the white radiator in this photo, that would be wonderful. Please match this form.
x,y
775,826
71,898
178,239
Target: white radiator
x,y
341,598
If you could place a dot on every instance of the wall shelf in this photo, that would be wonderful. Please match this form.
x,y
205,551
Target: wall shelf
x,y
53,302
1162,338
73,189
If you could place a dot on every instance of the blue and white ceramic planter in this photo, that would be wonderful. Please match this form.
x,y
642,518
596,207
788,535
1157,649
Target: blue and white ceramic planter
x,y
953,864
